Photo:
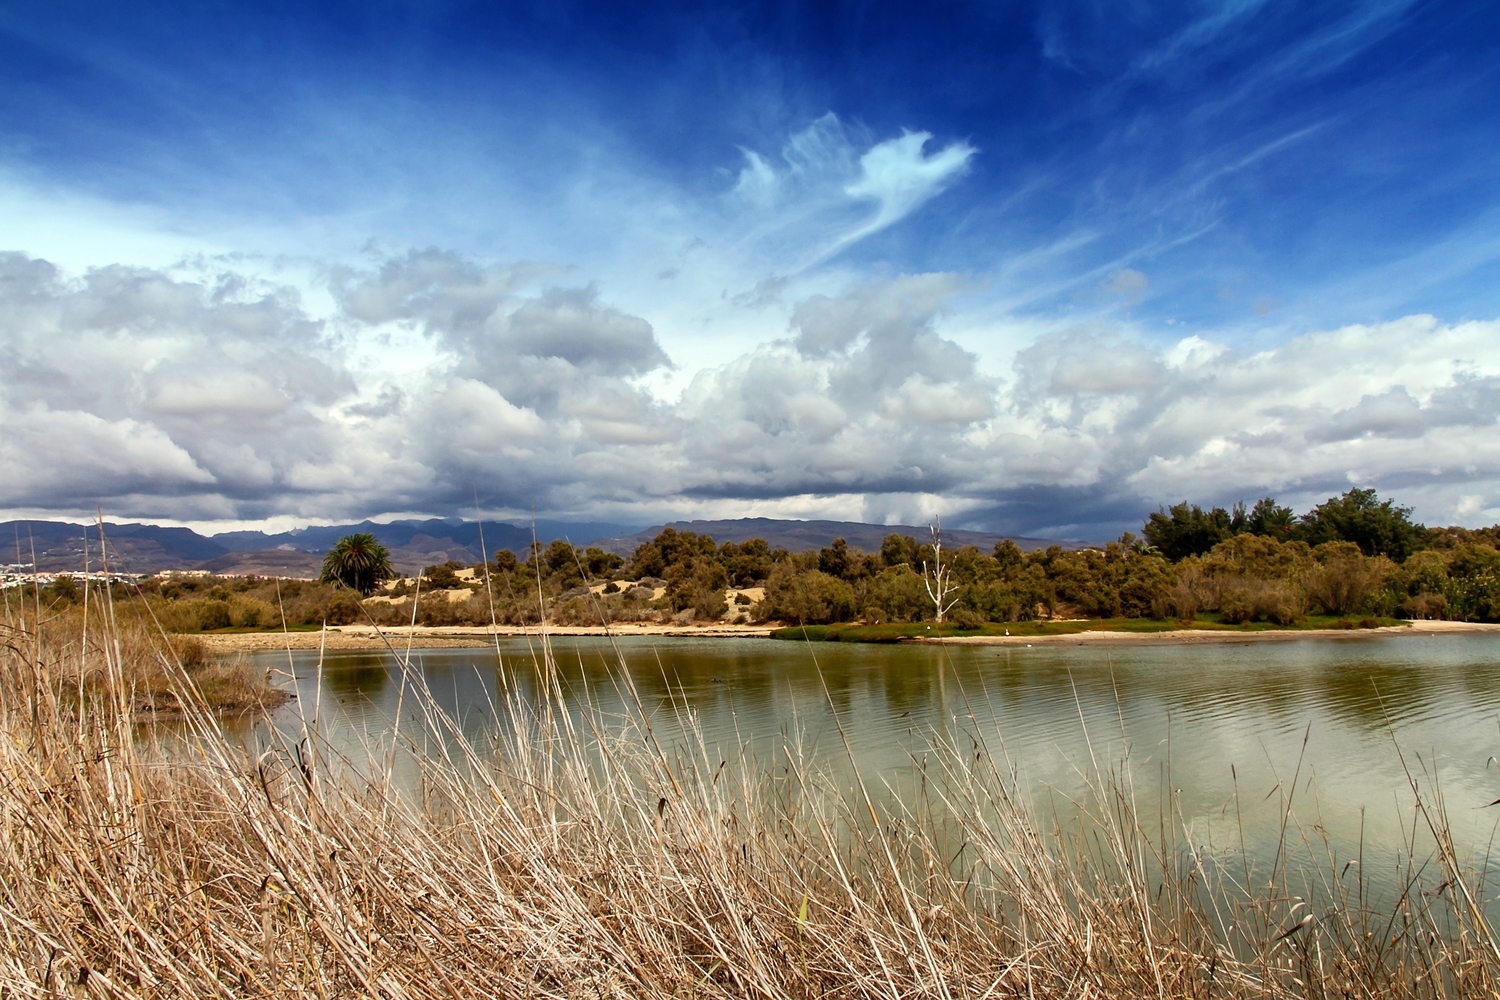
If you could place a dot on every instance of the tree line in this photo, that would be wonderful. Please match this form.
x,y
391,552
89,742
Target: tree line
x,y
1355,556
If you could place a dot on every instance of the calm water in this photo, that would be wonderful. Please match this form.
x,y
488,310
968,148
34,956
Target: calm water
x,y
1225,724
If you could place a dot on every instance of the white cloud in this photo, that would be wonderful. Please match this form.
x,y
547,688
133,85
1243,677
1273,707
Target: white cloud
x,y
161,397
50,455
834,187
899,176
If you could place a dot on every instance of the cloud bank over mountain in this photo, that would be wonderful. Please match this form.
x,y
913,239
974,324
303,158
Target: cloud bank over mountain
x,y
153,395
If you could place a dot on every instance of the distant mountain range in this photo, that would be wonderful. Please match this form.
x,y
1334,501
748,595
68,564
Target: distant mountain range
x,y
60,546
150,548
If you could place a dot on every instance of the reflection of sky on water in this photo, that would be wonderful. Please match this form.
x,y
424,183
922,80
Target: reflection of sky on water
x,y
1191,711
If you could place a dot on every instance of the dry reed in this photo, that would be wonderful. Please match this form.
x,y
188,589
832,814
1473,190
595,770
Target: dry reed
x,y
570,855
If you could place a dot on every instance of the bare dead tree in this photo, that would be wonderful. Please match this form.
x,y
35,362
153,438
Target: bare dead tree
x,y
939,577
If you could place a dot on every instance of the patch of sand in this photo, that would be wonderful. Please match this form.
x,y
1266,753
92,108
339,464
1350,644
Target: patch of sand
x,y
423,636
426,637
1211,636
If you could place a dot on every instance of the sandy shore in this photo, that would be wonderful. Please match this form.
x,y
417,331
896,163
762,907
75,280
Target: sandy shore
x,y
422,637
1213,636
365,637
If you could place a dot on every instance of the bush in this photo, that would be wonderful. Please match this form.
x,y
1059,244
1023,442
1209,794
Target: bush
x,y
1425,606
443,577
344,609
897,594
1344,578
247,612
965,619
1249,599
213,615
1475,598
810,598
709,603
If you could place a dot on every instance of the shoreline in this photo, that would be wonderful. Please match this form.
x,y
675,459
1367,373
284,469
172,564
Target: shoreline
x,y
364,637
1189,637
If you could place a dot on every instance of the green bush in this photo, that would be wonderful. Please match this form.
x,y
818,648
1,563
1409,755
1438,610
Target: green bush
x,y
213,615
810,598
897,595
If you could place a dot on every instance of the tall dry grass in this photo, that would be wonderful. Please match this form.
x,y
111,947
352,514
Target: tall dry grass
x,y
570,855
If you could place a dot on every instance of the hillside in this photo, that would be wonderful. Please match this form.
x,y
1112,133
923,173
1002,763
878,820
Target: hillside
x,y
59,546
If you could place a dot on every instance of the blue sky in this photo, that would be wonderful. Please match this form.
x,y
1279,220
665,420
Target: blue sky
x,y
1031,267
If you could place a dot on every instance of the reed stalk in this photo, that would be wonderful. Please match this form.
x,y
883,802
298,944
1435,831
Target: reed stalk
x,y
569,854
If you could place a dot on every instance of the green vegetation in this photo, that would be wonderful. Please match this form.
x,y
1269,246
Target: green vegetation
x,y
918,630
1354,557
1378,527
358,562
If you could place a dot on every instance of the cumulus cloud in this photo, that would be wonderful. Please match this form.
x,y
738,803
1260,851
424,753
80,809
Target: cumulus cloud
x,y
162,396
46,455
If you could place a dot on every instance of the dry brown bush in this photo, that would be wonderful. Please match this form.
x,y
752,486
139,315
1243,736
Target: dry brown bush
x,y
1246,599
1343,578
1425,606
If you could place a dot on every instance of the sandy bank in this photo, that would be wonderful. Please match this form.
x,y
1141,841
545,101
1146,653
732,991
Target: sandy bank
x,y
364,637
1212,636
423,637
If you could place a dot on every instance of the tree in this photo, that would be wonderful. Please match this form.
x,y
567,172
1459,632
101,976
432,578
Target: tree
x,y
601,563
899,550
1378,527
444,576
835,559
358,562
1268,517
938,578
1182,530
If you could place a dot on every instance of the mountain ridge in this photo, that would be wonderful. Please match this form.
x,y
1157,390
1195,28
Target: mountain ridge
x,y
136,547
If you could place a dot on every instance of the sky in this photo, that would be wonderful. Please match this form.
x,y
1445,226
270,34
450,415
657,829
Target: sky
x,y
1035,268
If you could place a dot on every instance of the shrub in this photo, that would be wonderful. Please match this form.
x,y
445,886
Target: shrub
x,y
1425,573
1475,598
811,598
706,602
63,591
1425,606
344,609
213,615
965,619
248,612
1344,577
898,594
1249,599
443,577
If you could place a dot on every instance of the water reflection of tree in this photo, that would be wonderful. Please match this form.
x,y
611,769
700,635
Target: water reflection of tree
x,y
361,675
1372,695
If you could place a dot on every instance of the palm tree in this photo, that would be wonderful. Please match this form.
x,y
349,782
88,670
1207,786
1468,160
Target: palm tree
x,y
358,562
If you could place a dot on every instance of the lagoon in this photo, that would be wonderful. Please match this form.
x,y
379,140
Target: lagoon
x,y
1245,750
